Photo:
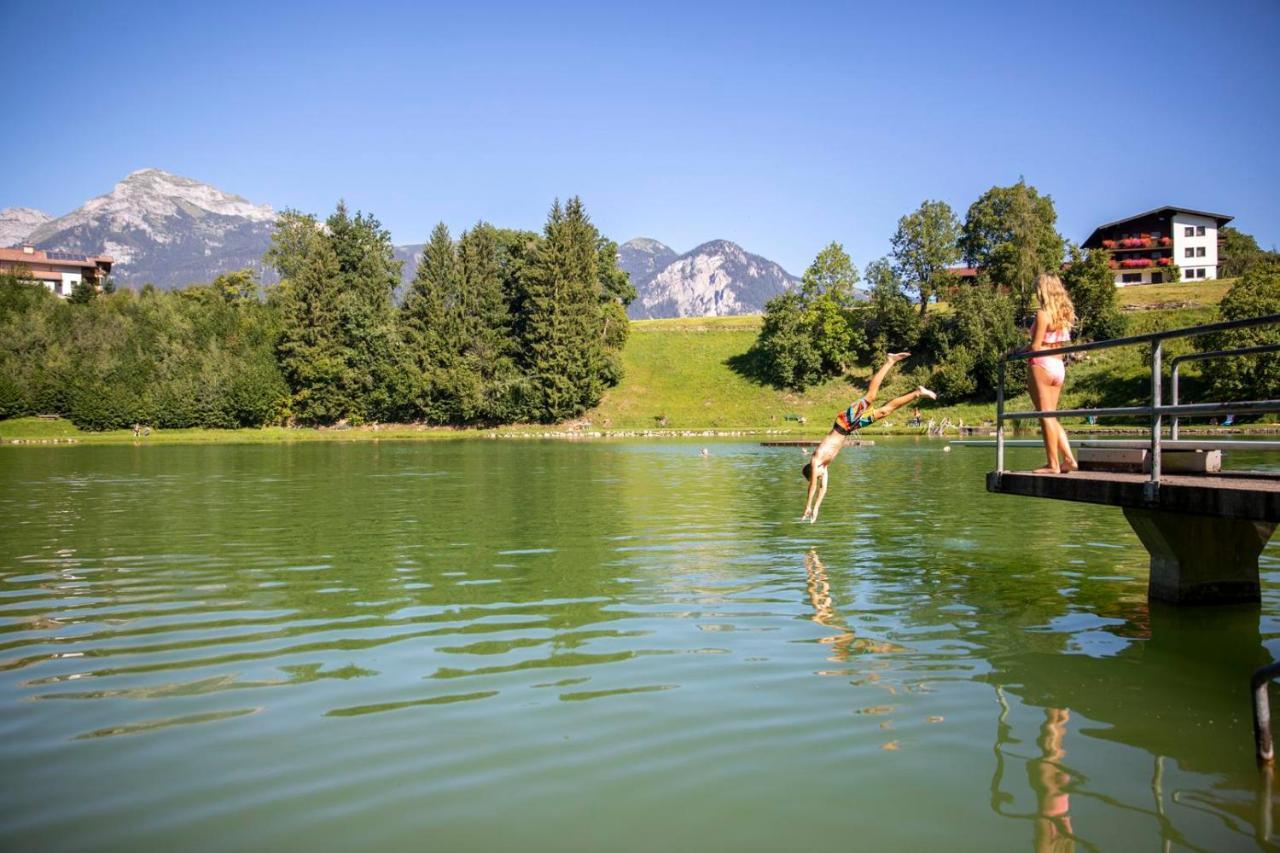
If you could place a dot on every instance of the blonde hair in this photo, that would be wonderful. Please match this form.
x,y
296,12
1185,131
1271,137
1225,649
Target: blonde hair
x,y
1054,300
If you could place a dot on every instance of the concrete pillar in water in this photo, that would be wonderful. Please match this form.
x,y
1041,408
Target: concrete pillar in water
x,y
1201,559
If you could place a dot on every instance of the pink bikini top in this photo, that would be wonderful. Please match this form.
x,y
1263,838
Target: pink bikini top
x,y
1062,336
1051,337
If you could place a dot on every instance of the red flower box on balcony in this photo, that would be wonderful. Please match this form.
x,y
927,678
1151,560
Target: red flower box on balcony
x,y
1166,241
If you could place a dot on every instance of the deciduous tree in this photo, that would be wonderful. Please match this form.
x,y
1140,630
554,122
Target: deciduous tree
x,y
924,245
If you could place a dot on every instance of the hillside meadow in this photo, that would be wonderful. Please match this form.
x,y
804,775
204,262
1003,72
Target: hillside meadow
x,y
681,375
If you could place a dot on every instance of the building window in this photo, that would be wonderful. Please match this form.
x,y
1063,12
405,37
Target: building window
x,y
1188,252
1131,278
1200,273
1199,251
1188,274
1188,232
1199,230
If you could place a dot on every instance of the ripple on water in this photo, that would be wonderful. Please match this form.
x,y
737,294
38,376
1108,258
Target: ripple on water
x,y
366,644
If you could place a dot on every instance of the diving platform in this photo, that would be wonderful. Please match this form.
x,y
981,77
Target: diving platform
x,y
1203,528
1204,533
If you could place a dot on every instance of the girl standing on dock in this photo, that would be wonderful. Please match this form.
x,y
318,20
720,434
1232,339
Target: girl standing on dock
x,y
1055,316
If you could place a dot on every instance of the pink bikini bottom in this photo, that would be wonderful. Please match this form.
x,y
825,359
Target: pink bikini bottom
x,y
1053,366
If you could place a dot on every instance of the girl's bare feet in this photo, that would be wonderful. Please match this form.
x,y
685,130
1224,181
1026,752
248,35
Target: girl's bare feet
x,y
895,357
1046,470
925,392
1069,465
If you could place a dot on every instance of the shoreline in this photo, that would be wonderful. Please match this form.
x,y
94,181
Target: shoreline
x,y
31,432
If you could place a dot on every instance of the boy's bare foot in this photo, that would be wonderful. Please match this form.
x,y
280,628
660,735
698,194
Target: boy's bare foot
x,y
1046,470
925,392
895,357
1069,465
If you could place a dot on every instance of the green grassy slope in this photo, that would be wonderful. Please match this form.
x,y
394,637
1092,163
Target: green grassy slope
x,y
678,373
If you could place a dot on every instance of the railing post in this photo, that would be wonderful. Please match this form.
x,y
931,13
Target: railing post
x,y
1157,371
1000,422
1173,424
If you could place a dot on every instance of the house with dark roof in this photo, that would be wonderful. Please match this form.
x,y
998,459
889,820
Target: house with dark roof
x,y
1145,247
58,271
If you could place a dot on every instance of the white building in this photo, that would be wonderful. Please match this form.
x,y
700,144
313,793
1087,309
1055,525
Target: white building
x,y
1143,247
58,271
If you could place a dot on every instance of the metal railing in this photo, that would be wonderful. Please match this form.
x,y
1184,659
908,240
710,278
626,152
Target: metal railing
x,y
1155,410
1175,365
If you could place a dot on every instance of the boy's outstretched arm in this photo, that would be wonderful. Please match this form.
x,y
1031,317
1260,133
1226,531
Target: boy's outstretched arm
x,y
813,487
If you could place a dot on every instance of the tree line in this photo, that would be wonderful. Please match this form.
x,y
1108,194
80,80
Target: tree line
x,y
1008,235
497,326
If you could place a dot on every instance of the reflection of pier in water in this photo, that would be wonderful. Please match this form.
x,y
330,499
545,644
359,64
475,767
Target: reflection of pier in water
x,y
1193,666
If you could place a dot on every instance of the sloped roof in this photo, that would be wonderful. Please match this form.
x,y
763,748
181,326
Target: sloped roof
x,y
1095,238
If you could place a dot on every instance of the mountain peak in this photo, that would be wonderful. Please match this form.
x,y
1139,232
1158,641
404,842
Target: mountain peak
x,y
717,245
164,228
17,223
716,278
647,244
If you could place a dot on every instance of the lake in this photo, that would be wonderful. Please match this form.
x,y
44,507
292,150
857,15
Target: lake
x,y
502,645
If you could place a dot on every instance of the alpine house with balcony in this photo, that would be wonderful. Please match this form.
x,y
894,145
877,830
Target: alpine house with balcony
x,y
1143,248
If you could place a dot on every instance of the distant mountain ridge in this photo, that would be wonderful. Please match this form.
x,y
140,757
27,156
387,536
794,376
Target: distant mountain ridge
x,y
173,231
159,228
717,278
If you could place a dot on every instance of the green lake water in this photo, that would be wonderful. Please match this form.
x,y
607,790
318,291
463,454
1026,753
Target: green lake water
x,y
615,645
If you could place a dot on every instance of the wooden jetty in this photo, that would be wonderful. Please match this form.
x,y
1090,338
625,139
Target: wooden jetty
x,y
1204,532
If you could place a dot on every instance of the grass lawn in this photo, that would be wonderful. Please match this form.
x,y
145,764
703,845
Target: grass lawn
x,y
42,430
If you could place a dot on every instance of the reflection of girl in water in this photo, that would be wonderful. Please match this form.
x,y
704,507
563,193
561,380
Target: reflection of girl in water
x,y
1049,781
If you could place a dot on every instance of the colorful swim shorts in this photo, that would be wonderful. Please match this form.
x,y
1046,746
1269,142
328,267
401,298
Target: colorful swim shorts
x,y
858,415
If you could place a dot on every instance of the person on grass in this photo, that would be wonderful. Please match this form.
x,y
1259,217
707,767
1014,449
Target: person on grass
x,y
1055,316
859,414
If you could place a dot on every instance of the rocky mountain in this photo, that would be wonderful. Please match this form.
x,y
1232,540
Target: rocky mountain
x,y
715,279
643,258
164,229
16,223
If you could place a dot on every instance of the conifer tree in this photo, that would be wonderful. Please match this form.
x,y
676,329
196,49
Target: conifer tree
x,y
369,274
313,358
424,319
564,329
485,375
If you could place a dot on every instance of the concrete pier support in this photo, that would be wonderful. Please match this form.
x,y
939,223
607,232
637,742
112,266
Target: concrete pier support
x,y
1201,559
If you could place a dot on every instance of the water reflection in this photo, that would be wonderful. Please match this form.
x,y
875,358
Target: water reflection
x,y
824,610
539,632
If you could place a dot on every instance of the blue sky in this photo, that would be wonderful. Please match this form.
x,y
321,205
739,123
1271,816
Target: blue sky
x,y
781,127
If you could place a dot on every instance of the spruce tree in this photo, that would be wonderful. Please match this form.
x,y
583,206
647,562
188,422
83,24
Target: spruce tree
x,y
424,319
486,372
564,329
313,357
369,274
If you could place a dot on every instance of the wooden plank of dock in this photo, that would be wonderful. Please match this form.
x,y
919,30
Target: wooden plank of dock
x,y
1249,496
